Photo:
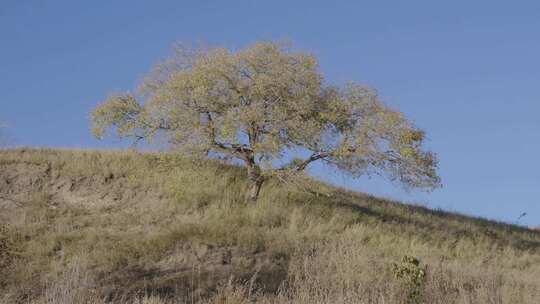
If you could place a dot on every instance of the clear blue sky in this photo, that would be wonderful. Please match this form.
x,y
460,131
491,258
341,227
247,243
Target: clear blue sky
x,y
468,72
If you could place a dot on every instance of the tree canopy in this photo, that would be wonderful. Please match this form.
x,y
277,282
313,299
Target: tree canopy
x,y
260,103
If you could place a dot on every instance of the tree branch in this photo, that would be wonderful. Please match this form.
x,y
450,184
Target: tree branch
x,y
314,157
242,151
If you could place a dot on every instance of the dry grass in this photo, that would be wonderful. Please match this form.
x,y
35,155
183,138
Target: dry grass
x,y
122,227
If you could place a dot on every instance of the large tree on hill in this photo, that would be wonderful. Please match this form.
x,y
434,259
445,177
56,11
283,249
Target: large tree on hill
x,y
260,104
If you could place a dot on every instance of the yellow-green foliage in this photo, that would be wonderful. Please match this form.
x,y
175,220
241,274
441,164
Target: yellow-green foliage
x,y
260,102
92,227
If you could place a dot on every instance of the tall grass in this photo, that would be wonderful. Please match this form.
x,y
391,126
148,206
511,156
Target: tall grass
x,y
123,227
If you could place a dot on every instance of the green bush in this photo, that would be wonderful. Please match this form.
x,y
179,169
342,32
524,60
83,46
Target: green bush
x,y
412,276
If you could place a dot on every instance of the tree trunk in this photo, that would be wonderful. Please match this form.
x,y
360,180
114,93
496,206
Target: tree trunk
x,y
255,182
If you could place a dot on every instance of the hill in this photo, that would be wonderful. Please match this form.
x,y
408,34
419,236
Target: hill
x,y
123,227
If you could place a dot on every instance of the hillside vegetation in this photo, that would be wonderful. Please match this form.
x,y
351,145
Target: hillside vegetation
x,y
124,227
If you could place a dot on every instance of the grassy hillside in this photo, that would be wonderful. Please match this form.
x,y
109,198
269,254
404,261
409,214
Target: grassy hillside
x,y
121,227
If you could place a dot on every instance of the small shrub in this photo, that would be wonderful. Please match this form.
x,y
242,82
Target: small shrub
x,y
412,276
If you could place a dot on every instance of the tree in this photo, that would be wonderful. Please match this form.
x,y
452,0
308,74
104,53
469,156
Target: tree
x,y
261,103
3,136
